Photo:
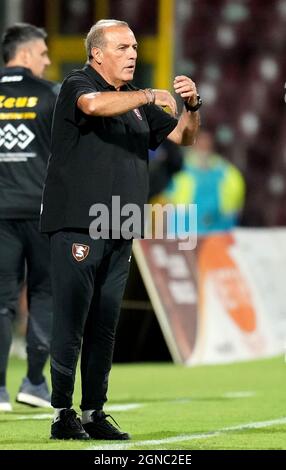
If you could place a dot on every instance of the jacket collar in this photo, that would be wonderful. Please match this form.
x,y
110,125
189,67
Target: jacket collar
x,y
15,70
96,77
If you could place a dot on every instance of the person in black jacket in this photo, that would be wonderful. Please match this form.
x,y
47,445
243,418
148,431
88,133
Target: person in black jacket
x,y
167,162
26,107
102,129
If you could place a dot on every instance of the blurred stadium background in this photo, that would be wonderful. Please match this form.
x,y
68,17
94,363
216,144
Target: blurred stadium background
x,y
235,51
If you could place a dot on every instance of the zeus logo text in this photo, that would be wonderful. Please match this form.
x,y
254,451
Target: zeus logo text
x,y
9,102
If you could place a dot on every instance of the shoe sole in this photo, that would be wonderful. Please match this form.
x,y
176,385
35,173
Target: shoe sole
x,y
5,406
102,438
78,438
114,437
31,400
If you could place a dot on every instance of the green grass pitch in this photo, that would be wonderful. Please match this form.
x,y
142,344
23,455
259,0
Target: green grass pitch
x,y
166,406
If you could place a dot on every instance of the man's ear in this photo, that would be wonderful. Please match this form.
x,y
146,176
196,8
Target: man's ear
x,y
24,56
97,54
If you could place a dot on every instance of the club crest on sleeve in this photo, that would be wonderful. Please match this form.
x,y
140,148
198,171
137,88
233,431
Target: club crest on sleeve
x,y
79,251
138,114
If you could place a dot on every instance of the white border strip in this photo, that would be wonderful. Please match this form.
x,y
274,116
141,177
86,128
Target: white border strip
x,y
189,437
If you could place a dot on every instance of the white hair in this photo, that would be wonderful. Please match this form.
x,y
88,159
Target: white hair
x,y
96,37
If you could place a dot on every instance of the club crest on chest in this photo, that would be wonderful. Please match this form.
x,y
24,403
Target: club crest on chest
x,y
138,114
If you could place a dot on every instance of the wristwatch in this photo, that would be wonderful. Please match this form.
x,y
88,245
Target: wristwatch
x,y
196,106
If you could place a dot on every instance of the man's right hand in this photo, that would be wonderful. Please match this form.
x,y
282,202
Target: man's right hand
x,y
164,98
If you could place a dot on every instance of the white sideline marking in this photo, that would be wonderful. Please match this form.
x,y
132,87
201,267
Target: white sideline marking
x,y
239,394
126,407
134,406
40,416
190,437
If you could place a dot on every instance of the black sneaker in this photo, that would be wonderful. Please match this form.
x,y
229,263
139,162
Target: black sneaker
x,y
68,426
100,428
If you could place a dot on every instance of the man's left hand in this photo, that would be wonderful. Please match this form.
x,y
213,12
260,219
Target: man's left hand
x,y
186,88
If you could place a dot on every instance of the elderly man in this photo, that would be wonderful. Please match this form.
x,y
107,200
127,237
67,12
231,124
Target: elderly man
x,y
102,129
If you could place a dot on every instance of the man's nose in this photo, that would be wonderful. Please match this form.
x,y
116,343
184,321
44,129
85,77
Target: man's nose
x,y
133,53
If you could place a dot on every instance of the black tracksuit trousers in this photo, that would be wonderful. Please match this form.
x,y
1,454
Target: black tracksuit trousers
x,y
88,281
24,253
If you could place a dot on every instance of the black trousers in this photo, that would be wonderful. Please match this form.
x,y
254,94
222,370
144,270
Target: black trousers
x,y
88,282
24,252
